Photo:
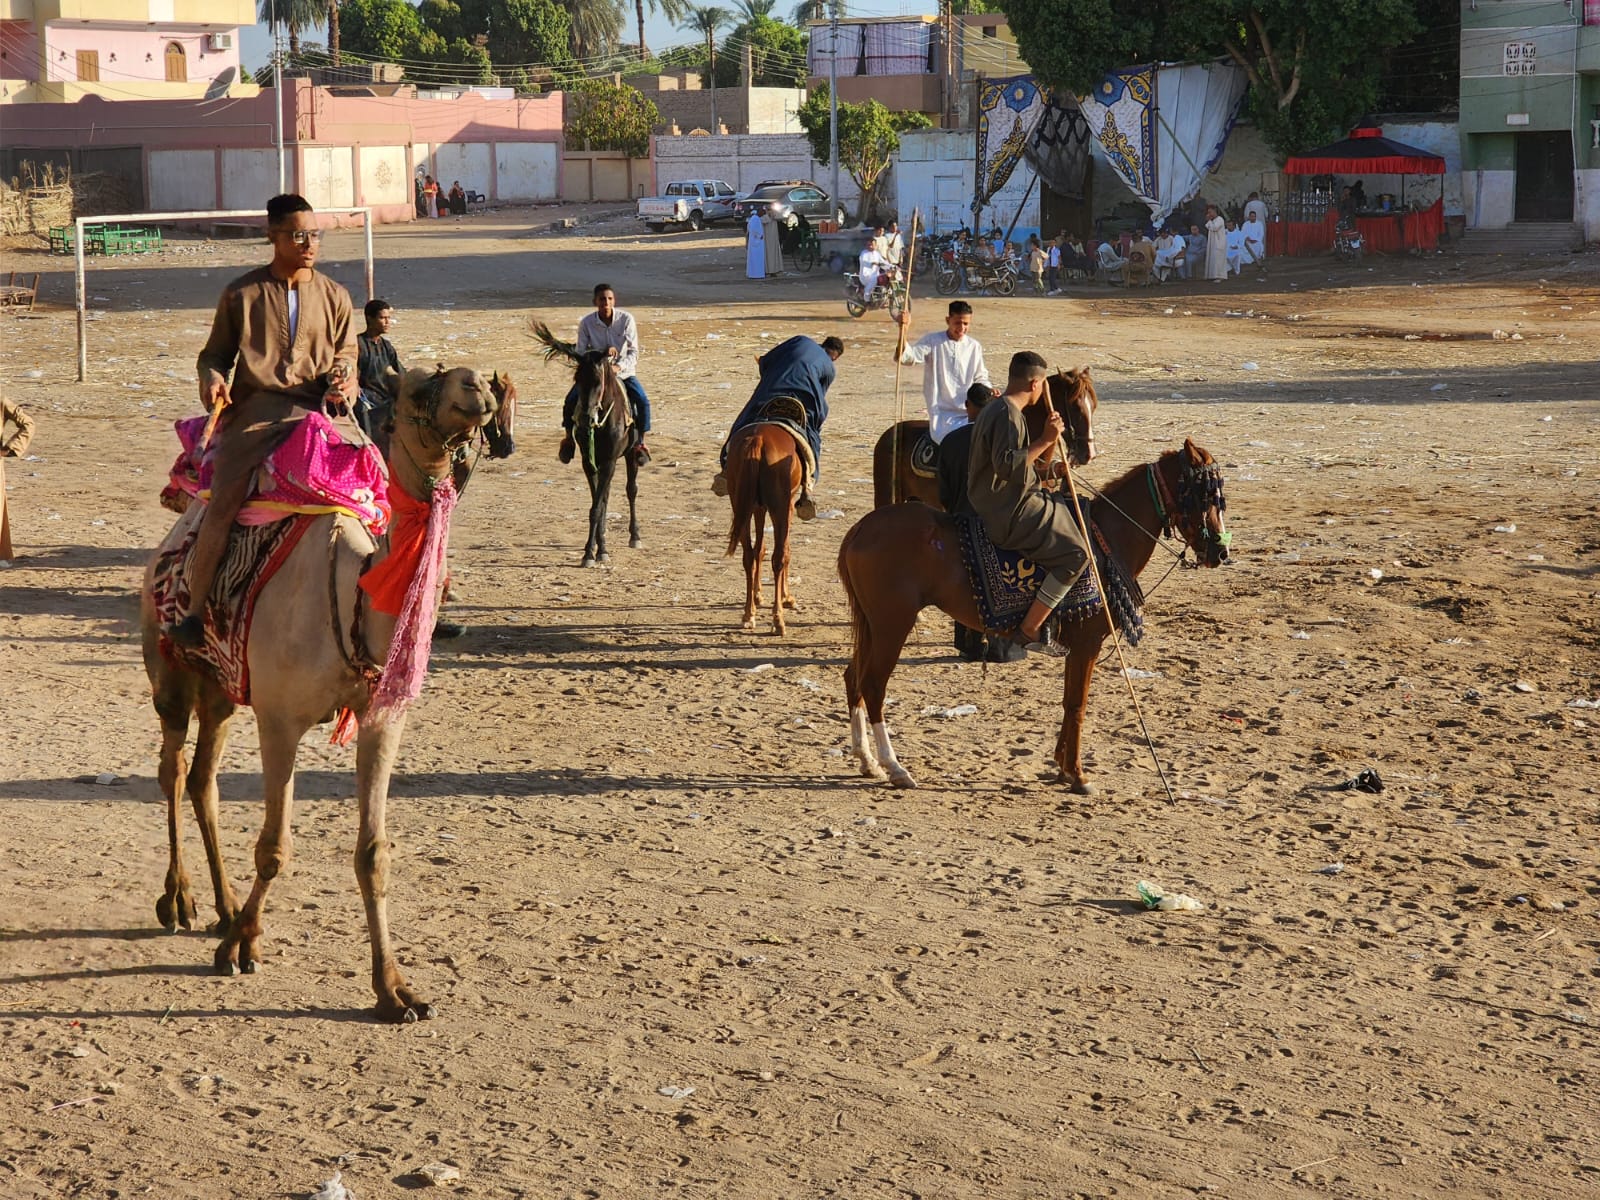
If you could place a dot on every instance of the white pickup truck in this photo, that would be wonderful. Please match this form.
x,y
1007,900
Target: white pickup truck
x,y
694,202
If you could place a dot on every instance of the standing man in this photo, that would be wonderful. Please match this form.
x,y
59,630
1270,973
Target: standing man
x,y
286,336
1004,489
1255,208
611,329
894,246
772,243
1216,245
16,431
755,247
954,362
375,358
802,370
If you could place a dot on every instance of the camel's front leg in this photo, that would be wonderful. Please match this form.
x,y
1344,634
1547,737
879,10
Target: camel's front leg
x,y
240,950
1074,699
376,748
176,905
215,710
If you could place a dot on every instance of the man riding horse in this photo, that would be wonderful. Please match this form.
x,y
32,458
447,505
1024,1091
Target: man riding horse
x,y
801,370
613,330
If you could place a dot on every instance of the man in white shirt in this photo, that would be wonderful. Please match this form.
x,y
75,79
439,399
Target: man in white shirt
x,y
1170,252
1255,242
1255,209
1112,264
1235,249
611,329
953,363
872,264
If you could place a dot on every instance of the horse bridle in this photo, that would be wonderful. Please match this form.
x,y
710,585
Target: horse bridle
x,y
1199,489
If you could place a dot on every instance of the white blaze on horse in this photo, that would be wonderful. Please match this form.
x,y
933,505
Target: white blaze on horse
x,y
303,644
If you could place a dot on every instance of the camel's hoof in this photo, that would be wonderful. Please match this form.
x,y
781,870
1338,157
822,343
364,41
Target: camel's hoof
x,y
789,603
902,779
225,962
873,771
400,1013
222,924
1077,786
748,625
172,911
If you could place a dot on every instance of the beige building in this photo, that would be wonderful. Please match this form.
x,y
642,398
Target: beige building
x,y
685,105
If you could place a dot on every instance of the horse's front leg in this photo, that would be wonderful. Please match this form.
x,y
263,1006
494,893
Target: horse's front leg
x,y
633,503
1079,670
376,747
602,506
593,546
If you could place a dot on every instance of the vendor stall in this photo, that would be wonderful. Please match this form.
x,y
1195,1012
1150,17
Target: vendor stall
x,y
1388,222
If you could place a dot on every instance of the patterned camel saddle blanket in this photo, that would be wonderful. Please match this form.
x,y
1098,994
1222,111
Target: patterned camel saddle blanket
x,y
1004,583
255,552
925,457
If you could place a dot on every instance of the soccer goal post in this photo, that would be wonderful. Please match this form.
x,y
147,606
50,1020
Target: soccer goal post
x,y
172,218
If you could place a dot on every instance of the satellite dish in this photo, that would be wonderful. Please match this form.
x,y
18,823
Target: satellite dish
x,y
220,85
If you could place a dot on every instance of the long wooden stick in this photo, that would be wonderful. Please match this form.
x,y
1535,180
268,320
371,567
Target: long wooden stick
x,y
899,353
1111,621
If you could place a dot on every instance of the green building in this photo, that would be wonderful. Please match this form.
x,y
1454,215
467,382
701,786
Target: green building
x,y
1530,113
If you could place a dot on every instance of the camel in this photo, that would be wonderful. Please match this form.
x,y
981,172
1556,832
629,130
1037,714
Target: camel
x,y
303,664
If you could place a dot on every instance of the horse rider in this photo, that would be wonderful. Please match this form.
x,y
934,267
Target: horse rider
x,y
286,336
954,363
1004,489
613,330
799,369
375,359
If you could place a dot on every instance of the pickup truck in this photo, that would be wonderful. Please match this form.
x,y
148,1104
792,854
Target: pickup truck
x,y
694,202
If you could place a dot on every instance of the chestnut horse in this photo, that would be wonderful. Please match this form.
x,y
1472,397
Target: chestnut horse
x,y
764,470
893,480
898,560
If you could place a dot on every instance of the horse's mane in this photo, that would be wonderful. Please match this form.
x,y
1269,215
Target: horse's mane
x,y
1127,477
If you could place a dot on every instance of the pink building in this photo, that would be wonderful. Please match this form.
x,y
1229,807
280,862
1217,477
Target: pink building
x,y
55,51
341,149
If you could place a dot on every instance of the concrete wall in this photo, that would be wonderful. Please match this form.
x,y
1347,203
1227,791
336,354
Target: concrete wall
x,y
936,173
383,174
740,109
603,175
744,161
327,177
183,180
527,171
470,162
249,178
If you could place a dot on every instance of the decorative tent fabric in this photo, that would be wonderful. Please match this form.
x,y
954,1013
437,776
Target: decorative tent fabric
x,y
1365,152
1058,151
1008,111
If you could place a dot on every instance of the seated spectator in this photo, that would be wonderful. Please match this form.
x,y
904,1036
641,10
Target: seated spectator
x,y
1194,253
1113,266
1170,254
1235,249
1075,258
1141,260
457,200
1255,242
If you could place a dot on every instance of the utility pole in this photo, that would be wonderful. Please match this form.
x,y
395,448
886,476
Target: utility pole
x,y
277,95
833,102
950,91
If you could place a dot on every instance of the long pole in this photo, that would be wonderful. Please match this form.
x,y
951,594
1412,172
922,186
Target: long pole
x,y
899,353
277,101
833,103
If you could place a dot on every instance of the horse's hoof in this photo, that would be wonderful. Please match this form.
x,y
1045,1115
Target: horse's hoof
x,y
634,543
602,557
405,1011
1077,786
587,561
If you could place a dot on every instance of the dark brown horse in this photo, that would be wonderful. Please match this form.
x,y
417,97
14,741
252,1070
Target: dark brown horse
x,y
765,470
604,431
893,480
898,560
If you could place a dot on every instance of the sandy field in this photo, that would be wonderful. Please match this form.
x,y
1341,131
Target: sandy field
x,y
680,948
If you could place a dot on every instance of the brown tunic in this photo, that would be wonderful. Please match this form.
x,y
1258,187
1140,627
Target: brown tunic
x,y
12,445
1004,490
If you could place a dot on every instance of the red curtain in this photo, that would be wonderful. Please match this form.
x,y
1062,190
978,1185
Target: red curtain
x,y
1391,234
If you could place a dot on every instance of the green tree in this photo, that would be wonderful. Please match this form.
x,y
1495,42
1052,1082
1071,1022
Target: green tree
x,y
1313,65
603,116
706,19
387,30
595,26
777,53
294,16
672,10
869,134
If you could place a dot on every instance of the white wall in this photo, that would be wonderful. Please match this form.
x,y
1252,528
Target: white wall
x,y
744,160
936,172
1490,198
1587,205
526,171
329,180
467,161
249,176
183,180
383,175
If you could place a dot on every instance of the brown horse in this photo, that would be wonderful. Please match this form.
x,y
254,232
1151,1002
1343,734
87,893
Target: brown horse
x,y
765,470
898,560
893,480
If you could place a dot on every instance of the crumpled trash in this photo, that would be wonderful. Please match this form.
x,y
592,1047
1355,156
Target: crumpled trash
x,y
1333,868
1366,781
436,1173
674,1093
1157,900
959,710
333,1189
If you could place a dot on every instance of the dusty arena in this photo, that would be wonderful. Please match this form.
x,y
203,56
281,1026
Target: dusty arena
x,y
679,946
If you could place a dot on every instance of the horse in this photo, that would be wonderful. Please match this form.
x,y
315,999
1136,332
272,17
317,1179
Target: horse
x,y
893,479
765,470
604,431
898,560
311,649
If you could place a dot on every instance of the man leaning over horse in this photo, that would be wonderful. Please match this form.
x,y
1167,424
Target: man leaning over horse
x,y
613,330
285,335
1005,490
799,369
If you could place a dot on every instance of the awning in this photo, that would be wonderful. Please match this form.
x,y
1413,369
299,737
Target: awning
x,y
1365,152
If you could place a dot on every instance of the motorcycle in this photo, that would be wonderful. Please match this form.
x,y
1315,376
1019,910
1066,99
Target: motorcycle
x,y
983,275
890,294
1347,242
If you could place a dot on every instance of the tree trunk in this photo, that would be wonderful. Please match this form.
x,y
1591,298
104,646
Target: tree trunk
x,y
294,45
333,30
638,8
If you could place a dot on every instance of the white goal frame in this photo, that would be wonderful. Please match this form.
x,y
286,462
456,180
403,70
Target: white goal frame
x,y
164,218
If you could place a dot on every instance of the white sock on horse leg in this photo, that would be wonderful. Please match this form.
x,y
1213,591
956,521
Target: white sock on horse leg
x,y
880,735
861,744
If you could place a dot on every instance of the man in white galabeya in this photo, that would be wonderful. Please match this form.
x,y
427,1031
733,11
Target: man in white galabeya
x,y
954,362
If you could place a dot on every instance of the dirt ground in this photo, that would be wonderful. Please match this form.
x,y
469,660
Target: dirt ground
x,y
629,861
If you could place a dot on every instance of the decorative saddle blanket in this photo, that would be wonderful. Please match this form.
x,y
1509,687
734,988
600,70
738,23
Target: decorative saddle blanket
x,y
254,554
1004,583
925,458
316,471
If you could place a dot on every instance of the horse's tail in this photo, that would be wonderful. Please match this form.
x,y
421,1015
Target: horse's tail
x,y
745,492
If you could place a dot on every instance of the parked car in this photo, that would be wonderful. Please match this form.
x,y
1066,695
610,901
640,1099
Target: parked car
x,y
692,202
784,196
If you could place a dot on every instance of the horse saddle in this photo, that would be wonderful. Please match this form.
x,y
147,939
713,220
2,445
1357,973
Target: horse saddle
x,y
925,457
1004,583
789,414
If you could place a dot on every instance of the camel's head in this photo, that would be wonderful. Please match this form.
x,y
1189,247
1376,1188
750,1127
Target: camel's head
x,y
447,406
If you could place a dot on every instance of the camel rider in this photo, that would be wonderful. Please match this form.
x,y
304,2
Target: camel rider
x,y
1004,489
611,329
954,361
375,358
802,370
285,334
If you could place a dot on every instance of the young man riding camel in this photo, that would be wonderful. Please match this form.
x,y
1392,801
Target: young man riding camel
x,y
285,334
1003,488
613,330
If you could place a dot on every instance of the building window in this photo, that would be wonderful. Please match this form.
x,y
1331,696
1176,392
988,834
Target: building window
x,y
177,64
88,66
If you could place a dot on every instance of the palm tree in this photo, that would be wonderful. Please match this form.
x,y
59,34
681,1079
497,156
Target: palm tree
x,y
707,19
806,10
333,31
595,26
293,15
672,10
749,10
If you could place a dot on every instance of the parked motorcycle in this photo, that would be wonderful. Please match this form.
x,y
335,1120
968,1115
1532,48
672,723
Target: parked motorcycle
x,y
1347,242
983,275
890,294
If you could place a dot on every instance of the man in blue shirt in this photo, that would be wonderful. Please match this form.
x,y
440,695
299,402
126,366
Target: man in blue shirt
x,y
800,369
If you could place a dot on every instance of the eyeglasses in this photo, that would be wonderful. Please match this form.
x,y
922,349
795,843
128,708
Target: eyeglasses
x,y
305,237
